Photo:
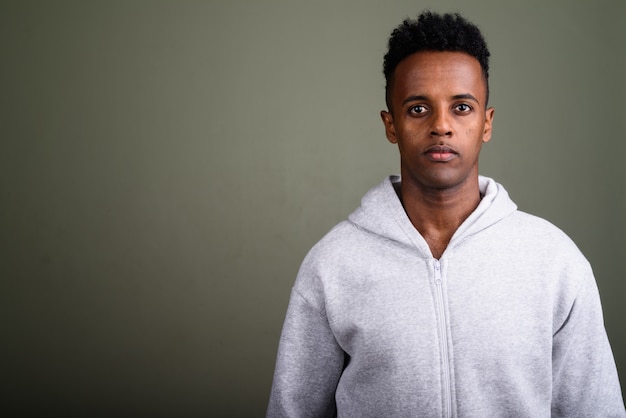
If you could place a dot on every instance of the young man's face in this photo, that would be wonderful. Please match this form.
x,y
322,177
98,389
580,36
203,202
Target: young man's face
x,y
438,118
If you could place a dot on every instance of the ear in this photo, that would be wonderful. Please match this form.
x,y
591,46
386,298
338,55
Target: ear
x,y
488,124
390,130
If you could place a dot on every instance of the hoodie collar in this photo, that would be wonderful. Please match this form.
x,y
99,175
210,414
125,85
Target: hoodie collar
x,y
381,213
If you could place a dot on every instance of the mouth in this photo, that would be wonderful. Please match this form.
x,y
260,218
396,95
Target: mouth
x,y
440,153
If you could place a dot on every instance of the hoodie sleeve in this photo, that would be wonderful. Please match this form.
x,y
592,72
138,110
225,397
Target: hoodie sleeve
x,y
308,364
585,381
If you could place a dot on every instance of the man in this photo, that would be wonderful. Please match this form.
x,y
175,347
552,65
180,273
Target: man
x,y
437,297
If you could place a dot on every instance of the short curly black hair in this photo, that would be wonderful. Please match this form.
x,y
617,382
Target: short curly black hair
x,y
434,32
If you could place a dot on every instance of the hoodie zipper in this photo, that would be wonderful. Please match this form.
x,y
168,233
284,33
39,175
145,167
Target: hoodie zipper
x,y
443,343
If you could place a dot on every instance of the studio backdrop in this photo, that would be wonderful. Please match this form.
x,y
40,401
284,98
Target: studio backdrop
x,y
166,165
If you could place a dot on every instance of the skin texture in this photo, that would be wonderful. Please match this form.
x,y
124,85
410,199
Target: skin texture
x,y
439,119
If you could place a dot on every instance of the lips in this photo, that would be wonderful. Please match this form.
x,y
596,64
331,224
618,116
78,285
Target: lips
x,y
440,153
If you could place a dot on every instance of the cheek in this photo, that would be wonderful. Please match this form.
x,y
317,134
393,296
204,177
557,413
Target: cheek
x,y
406,135
412,130
475,133
472,134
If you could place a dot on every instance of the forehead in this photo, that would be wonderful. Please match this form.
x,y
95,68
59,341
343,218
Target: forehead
x,y
433,72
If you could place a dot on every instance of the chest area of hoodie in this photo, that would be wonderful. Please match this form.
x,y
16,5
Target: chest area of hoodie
x,y
400,303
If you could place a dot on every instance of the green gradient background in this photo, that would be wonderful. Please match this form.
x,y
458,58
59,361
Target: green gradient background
x,y
165,166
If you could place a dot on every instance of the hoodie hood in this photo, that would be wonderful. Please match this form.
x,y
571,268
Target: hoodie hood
x,y
381,213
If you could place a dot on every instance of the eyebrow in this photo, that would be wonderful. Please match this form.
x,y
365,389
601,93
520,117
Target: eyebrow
x,y
466,96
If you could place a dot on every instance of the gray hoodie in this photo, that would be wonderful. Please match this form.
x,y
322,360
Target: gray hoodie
x,y
507,323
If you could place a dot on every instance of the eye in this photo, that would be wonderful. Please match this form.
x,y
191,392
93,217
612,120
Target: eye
x,y
417,109
463,108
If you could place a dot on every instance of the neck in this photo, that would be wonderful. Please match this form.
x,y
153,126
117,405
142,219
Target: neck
x,y
437,213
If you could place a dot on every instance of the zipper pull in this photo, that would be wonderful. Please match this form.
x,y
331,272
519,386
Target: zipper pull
x,y
437,266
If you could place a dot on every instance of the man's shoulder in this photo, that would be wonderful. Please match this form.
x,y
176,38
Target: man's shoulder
x,y
536,224
341,238
542,235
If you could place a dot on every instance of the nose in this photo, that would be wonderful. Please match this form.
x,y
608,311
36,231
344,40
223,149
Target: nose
x,y
441,125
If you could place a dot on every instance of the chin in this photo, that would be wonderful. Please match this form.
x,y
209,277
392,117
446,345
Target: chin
x,y
441,181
